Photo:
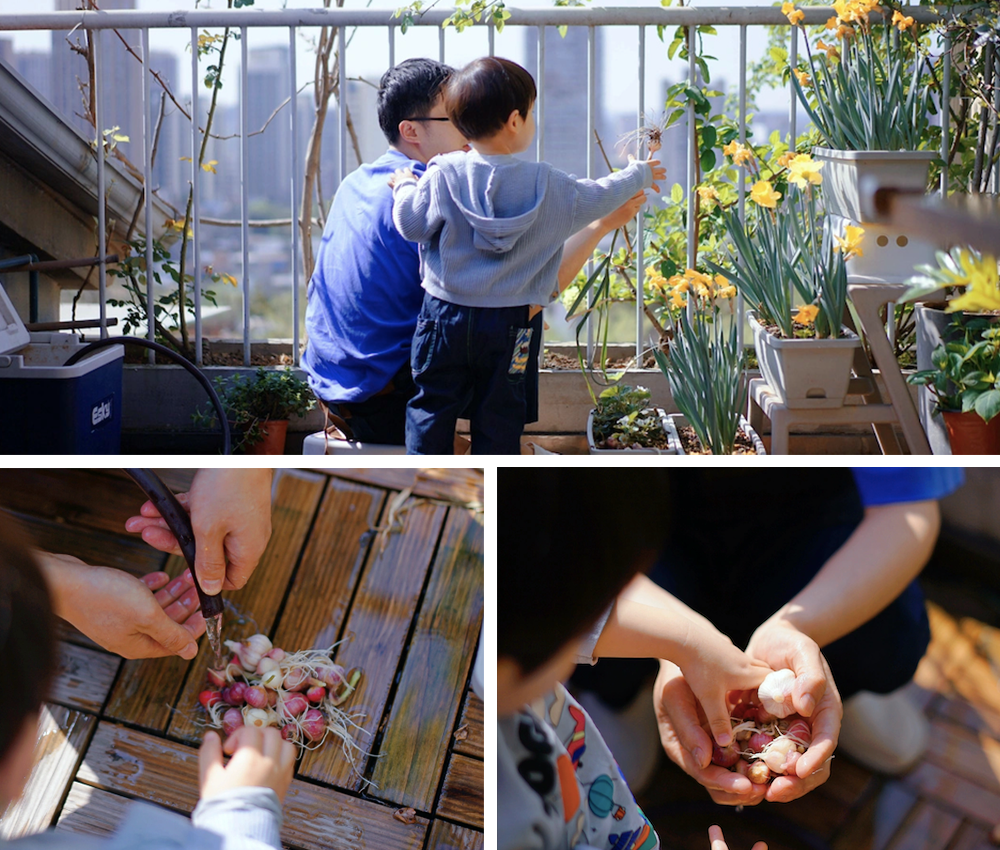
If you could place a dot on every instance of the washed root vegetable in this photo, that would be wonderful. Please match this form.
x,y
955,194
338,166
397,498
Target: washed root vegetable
x,y
298,692
768,737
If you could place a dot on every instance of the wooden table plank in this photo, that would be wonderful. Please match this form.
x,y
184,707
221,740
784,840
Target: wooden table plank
x,y
979,804
975,757
128,761
449,836
928,828
879,819
121,551
62,736
331,566
463,485
471,743
436,670
83,677
297,496
91,811
377,629
462,791
147,689
77,497
973,837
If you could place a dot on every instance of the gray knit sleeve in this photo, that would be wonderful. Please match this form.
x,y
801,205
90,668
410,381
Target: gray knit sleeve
x,y
597,198
416,211
247,818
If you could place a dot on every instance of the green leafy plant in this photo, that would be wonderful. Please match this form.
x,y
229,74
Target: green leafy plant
x,y
624,418
705,373
966,373
868,93
780,256
271,395
166,305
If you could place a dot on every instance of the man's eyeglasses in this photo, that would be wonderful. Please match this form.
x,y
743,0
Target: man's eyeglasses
x,y
427,119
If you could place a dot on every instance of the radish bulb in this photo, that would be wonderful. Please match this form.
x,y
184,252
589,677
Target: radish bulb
x,y
725,756
775,693
776,755
313,724
758,773
231,721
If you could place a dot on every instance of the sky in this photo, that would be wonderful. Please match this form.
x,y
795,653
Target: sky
x,y
367,54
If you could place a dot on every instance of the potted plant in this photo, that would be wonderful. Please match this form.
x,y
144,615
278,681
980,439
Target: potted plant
x,y
624,419
792,275
868,101
705,369
259,408
957,348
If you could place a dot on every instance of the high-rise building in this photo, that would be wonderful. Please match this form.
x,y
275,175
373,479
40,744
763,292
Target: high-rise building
x,y
270,156
120,82
564,114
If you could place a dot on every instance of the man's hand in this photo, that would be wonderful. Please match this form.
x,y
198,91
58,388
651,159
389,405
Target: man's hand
x,y
815,696
121,613
685,740
624,214
231,518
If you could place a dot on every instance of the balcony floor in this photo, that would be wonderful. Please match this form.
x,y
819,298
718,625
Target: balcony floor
x,y
408,603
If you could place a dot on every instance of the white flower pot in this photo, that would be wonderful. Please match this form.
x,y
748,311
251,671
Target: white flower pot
x,y
679,420
673,441
844,171
805,373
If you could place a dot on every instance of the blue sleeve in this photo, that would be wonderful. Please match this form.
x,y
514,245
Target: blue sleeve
x,y
892,485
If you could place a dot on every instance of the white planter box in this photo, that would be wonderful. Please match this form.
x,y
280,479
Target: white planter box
x,y
679,420
674,443
805,373
889,254
844,171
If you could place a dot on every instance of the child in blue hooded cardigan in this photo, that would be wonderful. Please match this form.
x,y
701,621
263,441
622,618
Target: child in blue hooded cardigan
x,y
491,229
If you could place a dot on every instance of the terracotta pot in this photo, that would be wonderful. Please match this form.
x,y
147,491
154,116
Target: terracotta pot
x,y
273,441
970,435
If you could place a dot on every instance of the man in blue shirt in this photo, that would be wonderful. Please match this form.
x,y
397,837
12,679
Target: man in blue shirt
x,y
365,293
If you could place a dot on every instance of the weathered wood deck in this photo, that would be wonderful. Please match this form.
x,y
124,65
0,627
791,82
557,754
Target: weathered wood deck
x,y
408,605
949,801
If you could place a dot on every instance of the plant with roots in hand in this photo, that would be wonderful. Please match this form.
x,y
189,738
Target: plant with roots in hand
x,y
768,736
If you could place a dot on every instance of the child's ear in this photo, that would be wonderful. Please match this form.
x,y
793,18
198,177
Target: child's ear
x,y
515,120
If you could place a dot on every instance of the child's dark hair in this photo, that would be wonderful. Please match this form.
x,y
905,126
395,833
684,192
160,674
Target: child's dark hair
x,y
568,541
27,644
408,90
481,97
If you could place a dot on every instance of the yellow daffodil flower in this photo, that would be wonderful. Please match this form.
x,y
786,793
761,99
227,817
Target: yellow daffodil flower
x,y
850,242
982,286
789,11
807,314
739,153
677,300
831,23
803,78
679,283
904,22
786,158
803,170
763,193
708,194
727,292
831,49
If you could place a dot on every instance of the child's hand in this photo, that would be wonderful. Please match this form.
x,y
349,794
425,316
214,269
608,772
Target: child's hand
x,y
712,667
625,213
261,759
401,175
719,843
659,171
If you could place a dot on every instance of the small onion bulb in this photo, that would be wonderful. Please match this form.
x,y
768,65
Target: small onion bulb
x,y
775,693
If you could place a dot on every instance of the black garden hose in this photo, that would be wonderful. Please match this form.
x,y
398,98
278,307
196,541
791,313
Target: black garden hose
x,y
177,358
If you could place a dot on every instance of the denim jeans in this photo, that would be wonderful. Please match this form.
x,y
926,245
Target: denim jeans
x,y
468,361
381,418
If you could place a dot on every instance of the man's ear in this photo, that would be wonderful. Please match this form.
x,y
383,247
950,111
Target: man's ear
x,y
408,132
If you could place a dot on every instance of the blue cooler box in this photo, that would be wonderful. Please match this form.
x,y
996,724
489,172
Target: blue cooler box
x,y
48,408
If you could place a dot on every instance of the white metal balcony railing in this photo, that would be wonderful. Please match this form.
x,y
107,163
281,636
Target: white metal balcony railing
x,y
244,19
